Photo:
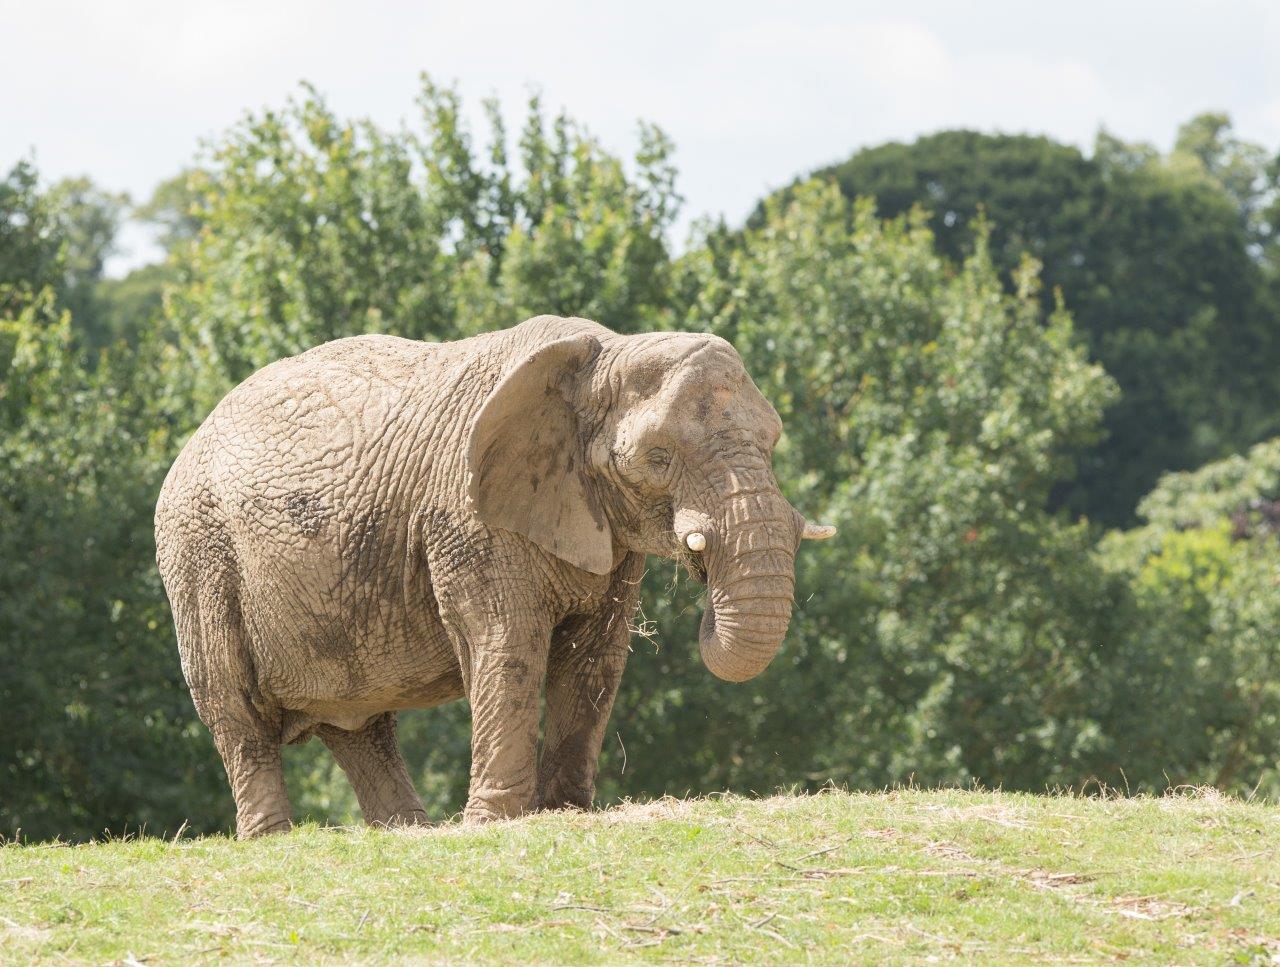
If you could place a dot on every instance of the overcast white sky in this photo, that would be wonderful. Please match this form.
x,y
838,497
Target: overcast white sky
x,y
752,93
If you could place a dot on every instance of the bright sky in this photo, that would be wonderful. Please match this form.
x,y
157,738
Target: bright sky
x,y
753,93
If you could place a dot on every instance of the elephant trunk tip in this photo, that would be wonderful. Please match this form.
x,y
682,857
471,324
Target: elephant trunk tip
x,y
732,656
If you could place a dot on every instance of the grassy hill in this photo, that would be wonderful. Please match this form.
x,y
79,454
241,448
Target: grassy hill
x,y
899,876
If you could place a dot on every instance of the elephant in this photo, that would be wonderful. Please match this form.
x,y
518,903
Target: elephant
x,y
380,523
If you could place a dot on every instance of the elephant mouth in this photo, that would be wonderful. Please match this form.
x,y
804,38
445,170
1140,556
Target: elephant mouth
x,y
695,567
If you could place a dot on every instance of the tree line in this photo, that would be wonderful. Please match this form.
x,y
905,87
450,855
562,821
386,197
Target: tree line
x,y
985,349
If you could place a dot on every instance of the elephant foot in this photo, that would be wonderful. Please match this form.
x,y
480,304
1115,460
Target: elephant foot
x,y
263,826
477,814
480,817
567,796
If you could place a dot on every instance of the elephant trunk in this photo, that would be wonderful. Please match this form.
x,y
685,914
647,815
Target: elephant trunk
x,y
750,568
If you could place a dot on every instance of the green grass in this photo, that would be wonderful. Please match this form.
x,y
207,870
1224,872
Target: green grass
x,y
834,878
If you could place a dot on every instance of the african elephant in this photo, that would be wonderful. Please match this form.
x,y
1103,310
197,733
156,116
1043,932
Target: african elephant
x,y
379,524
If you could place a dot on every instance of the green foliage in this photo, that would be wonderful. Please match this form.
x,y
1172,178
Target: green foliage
x,y
174,209
86,220
60,238
1245,171
314,228
1203,647
1157,258
128,309
97,729
30,249
936,398
946,632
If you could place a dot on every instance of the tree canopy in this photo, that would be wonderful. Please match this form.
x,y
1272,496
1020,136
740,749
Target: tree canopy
x,y
1163,260
939,377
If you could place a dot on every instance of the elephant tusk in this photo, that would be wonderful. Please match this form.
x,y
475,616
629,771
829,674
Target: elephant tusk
x,y
696,541
818,532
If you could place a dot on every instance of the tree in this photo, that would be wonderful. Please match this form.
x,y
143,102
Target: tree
x,y
927,413
129,308
98,732
97,729
956,629
60,237
1203,628
314,227
30,247
1154,257
1240,168
86,218
174,209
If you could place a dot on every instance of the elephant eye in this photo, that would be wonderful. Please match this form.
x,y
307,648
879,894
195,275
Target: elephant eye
x,y
659,458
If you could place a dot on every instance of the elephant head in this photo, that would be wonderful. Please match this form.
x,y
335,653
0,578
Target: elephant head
x,y
595,444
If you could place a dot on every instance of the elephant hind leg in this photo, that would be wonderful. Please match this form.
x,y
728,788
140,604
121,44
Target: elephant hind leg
x,y
370,756
218,666
252,761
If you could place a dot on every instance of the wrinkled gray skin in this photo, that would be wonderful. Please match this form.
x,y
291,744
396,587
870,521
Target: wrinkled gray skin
x,y
381,524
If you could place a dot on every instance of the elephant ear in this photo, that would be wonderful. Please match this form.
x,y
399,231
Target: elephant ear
x,y
525,459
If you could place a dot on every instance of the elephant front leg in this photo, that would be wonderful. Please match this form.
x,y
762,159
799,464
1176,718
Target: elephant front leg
x,y
505,687
580,692
588,656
